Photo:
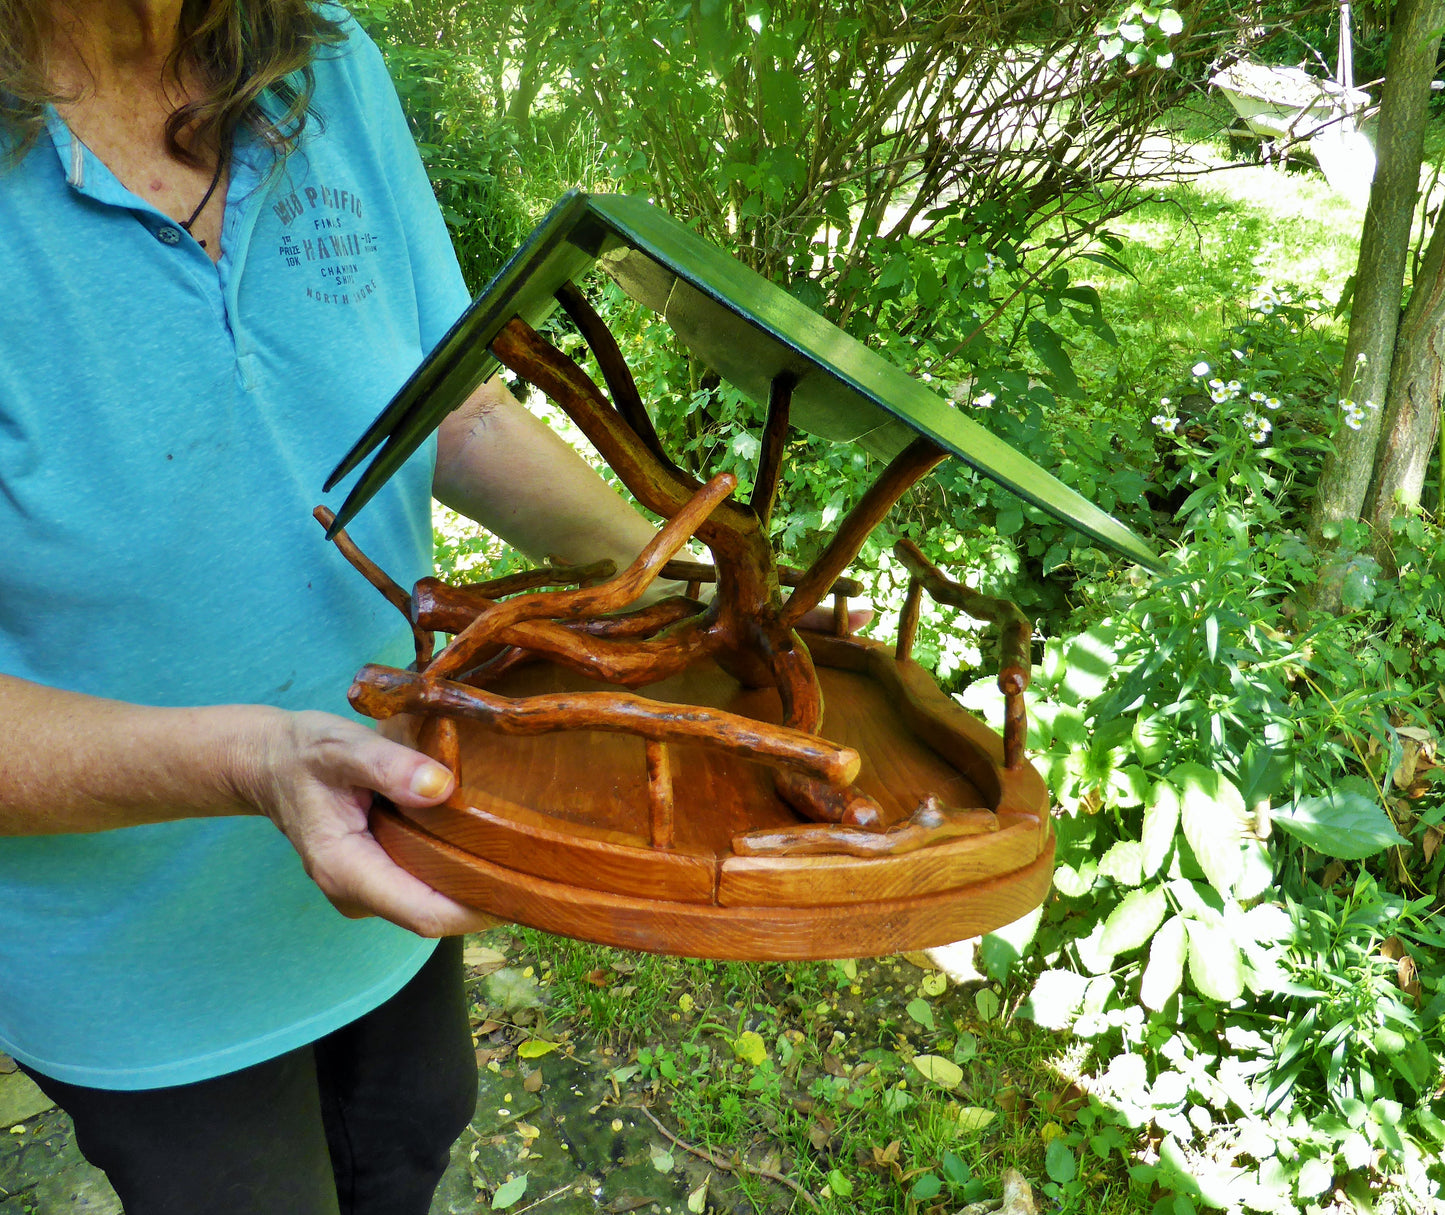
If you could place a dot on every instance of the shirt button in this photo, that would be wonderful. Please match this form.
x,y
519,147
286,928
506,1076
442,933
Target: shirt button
x,y
168,236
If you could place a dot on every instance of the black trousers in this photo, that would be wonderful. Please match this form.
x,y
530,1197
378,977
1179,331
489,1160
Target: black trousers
x,y
360,1122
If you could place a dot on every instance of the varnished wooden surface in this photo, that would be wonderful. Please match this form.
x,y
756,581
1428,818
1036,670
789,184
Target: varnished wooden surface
x,y
861,929
554,830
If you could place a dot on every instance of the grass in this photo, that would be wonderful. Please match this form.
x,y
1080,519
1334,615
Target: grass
x,y
809,1069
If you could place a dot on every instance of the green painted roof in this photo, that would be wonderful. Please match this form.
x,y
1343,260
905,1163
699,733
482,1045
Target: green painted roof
x,y
744,327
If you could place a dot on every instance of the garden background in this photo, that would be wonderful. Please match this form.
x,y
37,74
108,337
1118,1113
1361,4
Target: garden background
x,y
1233,997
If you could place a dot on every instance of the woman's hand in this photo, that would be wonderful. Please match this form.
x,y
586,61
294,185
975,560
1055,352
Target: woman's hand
x,y
314,775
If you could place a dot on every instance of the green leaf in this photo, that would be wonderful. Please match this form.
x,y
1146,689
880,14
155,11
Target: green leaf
x,y
972,1119
535,1049
1161,820
1165,971
1051,353
1315,1177
1003,948
1059,1162
1210,812
921,1011
955,1172
940,1071
986,1000
1134,920
1124,862
839,1184
1170,22
508,1192
926,1187
1216,967
1151,737
1348,822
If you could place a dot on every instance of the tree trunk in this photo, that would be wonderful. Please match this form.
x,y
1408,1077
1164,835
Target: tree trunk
x,y
1417,384
1384,250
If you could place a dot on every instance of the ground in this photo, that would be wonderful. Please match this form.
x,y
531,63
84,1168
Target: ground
x,y
603,1075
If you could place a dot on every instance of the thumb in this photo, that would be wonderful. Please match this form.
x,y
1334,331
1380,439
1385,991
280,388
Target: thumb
x,y
401,775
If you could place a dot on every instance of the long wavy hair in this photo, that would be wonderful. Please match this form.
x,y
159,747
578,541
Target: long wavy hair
x,y
238,51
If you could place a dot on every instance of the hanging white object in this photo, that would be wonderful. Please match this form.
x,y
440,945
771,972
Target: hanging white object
x,y
1283,106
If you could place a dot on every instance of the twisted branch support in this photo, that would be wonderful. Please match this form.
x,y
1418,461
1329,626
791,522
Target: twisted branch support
x,y
746,629
914,462
1015,637
391,591
588,600
380,692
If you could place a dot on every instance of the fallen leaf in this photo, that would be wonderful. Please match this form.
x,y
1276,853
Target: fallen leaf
x,y
483,959
624,967
492,1054
488,1027
509,1192
940,1071
973,1118
697,1200
920,959
626,1202
834,1066
662,1160
535,1048
886,1160
526,1130
598,978
532,1081
934,984
818,1137
1009,1099
1332,874
1433,838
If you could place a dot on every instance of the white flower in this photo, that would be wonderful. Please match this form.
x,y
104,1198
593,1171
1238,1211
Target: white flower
x,y
1166,423
1346,404
1216,383
1361,359
1371,405
1271,402
1266,308
1200,369
927,377
1164,400
1256,397
1219,396
1234,385
1352,421
984,400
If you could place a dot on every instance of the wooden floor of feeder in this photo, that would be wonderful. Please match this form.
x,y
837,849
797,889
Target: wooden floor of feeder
x,y
557,831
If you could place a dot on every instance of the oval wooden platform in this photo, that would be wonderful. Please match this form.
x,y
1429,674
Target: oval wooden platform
x,y
553,831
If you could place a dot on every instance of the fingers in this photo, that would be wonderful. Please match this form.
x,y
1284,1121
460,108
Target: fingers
x,y
359,879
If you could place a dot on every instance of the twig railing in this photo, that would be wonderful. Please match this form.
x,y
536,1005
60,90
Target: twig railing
x,y
1015,636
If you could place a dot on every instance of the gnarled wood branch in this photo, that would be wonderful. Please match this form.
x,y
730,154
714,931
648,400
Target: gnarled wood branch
x,y
380,692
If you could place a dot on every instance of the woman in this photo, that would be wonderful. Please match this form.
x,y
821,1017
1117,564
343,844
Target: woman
x,y
220,256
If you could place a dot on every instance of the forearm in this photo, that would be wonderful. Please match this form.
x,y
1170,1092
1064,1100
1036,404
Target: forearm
x,y
508,470
74,763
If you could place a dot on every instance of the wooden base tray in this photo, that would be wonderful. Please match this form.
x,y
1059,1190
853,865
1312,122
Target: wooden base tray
x,y
553,830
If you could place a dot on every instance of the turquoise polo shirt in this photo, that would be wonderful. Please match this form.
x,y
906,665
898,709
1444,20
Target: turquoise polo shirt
x,y
165,428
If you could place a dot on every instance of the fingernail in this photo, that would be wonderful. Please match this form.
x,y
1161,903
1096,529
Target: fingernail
x,y
430,780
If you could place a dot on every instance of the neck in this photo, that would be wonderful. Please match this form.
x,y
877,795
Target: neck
x,y
102,44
